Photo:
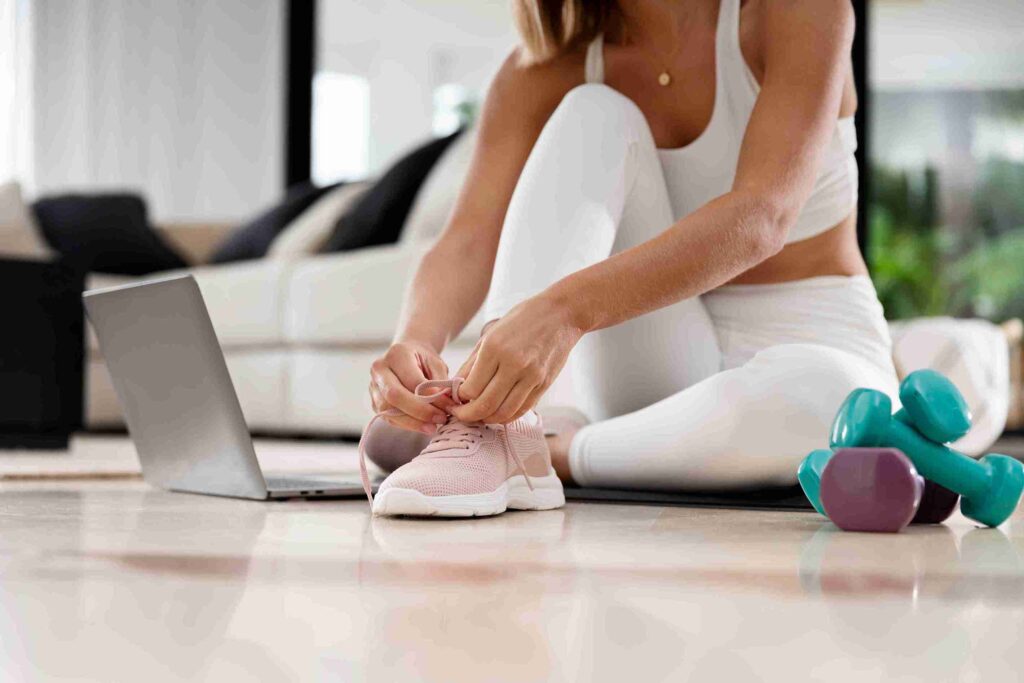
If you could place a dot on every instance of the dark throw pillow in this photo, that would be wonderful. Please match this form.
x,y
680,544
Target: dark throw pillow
x,y
379,215
105,233
252,240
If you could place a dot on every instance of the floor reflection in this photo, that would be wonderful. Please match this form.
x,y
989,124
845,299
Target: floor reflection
x,y
981,565
155,606
206,588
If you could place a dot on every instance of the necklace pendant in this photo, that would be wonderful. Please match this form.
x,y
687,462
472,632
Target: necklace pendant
x,y
664,79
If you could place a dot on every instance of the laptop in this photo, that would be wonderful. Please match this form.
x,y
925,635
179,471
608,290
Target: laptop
x,y
178,399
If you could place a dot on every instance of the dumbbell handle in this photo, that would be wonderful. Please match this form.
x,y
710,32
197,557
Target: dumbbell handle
x,y
941,464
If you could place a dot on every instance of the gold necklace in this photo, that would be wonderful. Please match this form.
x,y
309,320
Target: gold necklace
x,y
665,78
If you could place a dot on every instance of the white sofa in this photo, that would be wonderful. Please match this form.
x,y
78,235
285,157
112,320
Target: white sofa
x,y
299,329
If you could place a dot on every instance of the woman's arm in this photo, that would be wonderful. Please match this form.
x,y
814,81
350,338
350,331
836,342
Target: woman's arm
x,y
807,45
453,278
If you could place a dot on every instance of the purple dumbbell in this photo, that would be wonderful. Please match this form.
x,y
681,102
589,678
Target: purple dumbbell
x,y
871,489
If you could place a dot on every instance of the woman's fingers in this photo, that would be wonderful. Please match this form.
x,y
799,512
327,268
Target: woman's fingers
x,y
434,366
467,367
509,410
477,379
531,401
487,402
399,420
406,366
395,394
376,400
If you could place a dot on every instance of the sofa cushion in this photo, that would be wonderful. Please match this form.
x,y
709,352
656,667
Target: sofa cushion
x,y
354,298
19,235
309,231
253,239
436,199
107,233
244,300
379,215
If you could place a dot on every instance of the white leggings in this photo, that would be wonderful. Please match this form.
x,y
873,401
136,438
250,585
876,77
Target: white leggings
x,y
728,390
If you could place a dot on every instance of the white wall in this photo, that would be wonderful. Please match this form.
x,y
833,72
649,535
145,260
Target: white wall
x,y
15,90
933,44
179,99
406,48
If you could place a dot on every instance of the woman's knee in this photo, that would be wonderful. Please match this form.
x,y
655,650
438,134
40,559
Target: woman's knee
x,y
596,104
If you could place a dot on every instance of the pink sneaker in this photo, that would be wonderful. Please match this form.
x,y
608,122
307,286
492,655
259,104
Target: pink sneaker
x,y
470,470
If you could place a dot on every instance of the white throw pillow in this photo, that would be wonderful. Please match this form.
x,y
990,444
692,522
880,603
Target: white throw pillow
x,y
974,355
309,231
19,234
436,198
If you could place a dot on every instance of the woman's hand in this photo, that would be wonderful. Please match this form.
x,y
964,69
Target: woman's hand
x,y
515,361
393,379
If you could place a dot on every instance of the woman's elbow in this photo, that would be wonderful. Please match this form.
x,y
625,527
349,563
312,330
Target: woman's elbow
x,y
770,221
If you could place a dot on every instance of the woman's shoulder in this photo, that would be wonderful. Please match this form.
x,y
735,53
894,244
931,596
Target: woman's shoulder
x,y
534,90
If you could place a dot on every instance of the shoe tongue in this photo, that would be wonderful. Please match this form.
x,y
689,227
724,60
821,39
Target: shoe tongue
x,y
454,435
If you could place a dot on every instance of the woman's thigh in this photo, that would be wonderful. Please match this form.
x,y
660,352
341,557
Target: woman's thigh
x,y
747,426
618,200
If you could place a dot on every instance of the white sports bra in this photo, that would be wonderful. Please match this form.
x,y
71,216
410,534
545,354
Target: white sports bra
x,y
705,168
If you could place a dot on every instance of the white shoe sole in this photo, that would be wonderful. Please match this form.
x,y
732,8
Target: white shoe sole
x,y
514,494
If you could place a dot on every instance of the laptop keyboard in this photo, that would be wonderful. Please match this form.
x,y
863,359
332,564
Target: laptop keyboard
x,y
290,484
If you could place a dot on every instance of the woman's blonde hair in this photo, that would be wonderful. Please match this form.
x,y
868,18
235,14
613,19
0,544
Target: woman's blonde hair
x,y
551,27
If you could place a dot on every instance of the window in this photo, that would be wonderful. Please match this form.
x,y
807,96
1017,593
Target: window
x,y
454,106
946,219
341,127
15,93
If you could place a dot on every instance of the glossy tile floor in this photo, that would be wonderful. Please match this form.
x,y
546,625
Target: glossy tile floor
x,y
113,581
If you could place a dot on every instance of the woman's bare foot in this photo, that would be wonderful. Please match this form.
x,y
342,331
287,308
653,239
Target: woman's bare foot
x,y
560,425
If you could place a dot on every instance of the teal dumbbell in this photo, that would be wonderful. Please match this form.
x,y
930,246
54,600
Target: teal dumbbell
x,y
934,407
990,487
809,475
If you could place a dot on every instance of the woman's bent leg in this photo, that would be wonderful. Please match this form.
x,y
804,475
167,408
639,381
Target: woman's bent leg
x,y
592,187
748,426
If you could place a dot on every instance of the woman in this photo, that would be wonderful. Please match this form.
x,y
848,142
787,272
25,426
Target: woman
x,y
667,191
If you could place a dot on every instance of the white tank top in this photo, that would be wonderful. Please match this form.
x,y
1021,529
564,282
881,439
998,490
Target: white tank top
x,y
705,168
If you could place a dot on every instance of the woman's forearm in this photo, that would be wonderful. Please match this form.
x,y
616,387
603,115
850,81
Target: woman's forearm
x,y
700,252
448,289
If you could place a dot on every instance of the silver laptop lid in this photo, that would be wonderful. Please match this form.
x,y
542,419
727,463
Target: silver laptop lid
x,y
173,385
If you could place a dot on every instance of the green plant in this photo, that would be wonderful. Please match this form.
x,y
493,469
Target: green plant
x,y
468,110
990,278
999,196
906,266
906,250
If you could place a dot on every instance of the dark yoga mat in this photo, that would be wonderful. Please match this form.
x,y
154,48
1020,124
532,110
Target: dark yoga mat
x,y
787,498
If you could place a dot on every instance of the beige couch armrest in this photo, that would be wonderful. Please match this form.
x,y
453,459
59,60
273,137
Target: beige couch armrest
x,y
195,241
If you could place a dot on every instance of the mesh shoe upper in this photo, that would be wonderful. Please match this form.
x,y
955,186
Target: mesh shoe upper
x,y
466,459
479,461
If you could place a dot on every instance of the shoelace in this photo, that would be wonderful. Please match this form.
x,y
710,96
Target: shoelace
x,y
449,435
455,434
